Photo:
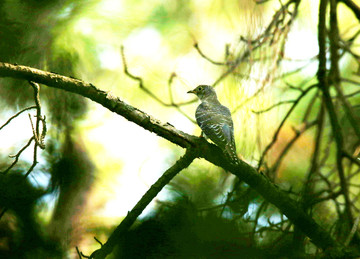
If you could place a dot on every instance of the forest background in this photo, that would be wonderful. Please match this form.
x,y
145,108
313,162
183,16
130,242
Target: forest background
x,y
72,169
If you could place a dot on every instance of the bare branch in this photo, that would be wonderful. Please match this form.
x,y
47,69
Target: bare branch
x,y
210,152
79,253
298,133
273,106
150,93
196,46
282,123
140,80
39,137
39,140
353,7
17,155
97,240
132,215
353,231
307,189
17,114
351,158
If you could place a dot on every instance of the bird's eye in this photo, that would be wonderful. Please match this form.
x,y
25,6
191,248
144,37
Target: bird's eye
x,y
200,88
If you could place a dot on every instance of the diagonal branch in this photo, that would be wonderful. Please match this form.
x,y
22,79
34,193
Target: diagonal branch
x,y
104,98
17,156
149,92
353,7
210,152
295,102
132,215
17,114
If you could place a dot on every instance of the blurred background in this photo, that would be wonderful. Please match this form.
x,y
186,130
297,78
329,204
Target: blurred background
x,y
97,165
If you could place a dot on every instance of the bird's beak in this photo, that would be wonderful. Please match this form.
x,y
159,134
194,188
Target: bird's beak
x,y
191,92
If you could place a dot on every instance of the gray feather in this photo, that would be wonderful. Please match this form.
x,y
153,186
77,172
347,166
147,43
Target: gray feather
x,y
215,121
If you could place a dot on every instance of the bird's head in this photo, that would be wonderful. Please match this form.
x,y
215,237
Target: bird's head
x,y
204,92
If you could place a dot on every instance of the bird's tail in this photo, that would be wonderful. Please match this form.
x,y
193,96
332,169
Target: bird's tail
x,y
230,153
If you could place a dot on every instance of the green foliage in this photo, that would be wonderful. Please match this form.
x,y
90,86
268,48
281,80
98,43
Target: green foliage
x,y
205,212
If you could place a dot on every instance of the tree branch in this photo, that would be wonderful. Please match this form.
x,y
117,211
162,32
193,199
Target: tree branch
x,y
335,78
291,209
124,226
353,7
276,134
104,98
15,115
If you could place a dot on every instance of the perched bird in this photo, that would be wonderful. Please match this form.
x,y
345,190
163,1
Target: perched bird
x,y
215,121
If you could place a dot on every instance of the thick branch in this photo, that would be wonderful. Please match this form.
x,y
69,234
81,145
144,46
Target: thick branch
x,y
206,150
104,98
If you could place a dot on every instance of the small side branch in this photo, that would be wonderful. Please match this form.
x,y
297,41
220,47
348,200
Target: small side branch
x,y
353,231
140,80
273,106
268,147
297,135
196,46
17,155
17,114
353,7
39,137
351,158
150,93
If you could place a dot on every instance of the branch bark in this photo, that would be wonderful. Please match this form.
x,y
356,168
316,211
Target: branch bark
x,y
210,152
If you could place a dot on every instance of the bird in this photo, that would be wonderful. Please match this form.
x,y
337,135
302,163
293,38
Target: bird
x,y
215,121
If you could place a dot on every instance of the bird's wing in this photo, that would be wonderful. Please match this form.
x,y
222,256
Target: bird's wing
x,y
228,132
215,133
216,123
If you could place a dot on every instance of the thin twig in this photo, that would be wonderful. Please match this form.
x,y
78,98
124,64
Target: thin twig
x,y
273,106
170,81
39,137
36,137
196,46
140,81
352,94
150,93
353,231
298,133
308,186
276,134
17,155
347,80
97,240
331,196
309,108
351,158
353,7
335,76
17,114
78,252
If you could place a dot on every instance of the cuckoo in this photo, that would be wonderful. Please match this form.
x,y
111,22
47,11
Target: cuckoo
x,y
215,121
